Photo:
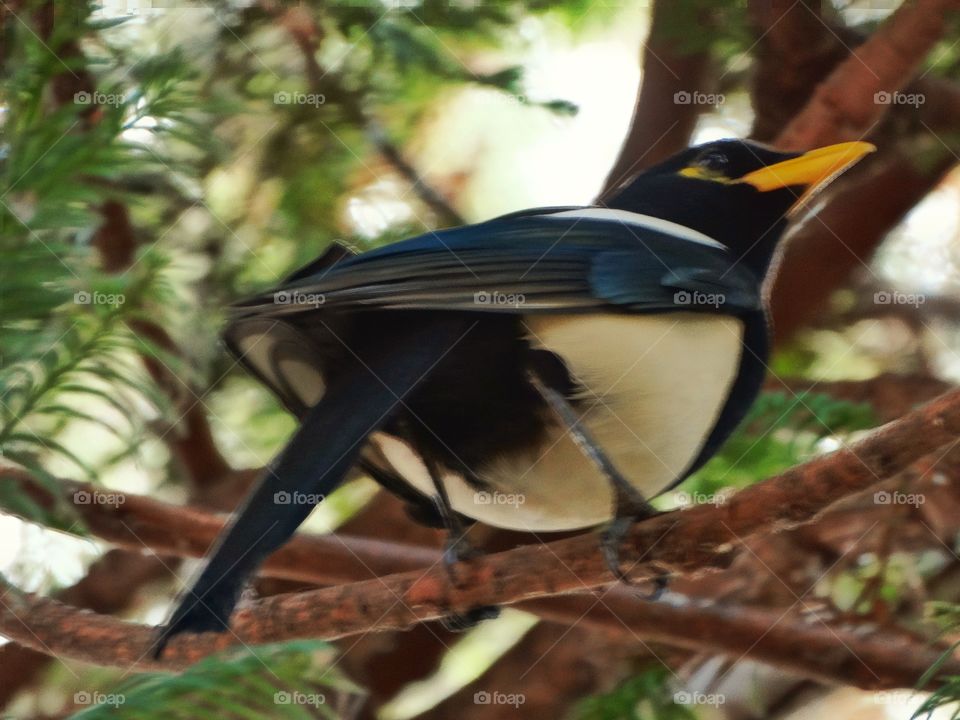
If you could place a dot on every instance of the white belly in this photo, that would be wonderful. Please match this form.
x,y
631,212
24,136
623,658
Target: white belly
x,y
654,387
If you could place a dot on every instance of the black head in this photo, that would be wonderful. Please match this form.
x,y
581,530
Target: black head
x,y
736,191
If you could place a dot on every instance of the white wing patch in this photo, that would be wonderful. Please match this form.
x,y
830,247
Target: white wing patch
x,y
647,221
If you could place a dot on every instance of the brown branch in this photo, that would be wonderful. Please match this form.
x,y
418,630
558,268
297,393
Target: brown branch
x,y
860,655
660,126
844,105
841,237
830,652
688,541
108,587
795,50
552,668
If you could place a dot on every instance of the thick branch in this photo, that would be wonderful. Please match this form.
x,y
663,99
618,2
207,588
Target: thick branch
x,y
842,237
844,105
660,126
681,541
795,50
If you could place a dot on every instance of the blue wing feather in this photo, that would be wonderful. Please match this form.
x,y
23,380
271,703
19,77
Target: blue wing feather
x,y
558,263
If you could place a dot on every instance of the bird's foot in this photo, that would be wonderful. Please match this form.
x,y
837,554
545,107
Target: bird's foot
x,y
461,622
659,583
458,549
630,507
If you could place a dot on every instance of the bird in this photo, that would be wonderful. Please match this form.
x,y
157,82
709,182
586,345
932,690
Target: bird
x,y
552,369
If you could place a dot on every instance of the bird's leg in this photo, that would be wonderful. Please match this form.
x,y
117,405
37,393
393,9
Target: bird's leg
x,y
456,548
629,504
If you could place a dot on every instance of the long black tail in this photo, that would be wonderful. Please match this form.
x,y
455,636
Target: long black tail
x,y
311,466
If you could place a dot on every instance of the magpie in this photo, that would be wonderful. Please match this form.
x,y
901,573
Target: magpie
x,y
551,369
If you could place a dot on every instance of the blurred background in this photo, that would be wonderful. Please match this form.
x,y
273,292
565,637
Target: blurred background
x,y
161,159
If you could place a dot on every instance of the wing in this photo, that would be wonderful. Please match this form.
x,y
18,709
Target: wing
x,y
572,260
555,260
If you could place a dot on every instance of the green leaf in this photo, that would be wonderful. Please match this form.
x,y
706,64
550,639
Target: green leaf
x,y
282,680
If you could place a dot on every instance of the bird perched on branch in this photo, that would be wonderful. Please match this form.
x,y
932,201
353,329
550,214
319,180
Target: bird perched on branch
x,y
551,369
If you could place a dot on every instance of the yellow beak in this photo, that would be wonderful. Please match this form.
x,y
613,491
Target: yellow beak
x,y
812,170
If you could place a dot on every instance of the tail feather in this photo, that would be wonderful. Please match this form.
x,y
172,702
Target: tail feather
x,y
312,465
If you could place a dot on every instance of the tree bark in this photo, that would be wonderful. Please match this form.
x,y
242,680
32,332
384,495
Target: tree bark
x,y
660,126
683,542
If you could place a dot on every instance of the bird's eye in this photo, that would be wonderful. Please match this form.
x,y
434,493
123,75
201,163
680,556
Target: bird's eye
x,y
715,161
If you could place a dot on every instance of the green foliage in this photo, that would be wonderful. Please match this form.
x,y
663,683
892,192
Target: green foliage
x,y
727,20
645,696
66,348
779,431
283,680
946,616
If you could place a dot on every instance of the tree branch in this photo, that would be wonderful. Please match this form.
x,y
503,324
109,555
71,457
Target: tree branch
x,y
841,237
660,126
844,105
689,541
